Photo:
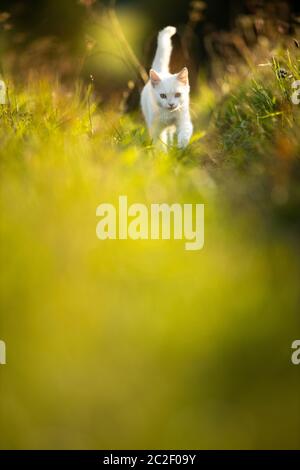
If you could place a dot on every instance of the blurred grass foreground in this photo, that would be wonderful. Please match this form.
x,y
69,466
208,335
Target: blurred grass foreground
x,y
124,344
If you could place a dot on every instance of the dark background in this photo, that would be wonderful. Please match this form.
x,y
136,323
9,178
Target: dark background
x,y
64,19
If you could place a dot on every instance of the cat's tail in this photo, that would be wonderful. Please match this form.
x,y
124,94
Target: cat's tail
x,y
164,50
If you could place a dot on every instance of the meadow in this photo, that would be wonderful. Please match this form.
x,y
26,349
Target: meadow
x,y
141,344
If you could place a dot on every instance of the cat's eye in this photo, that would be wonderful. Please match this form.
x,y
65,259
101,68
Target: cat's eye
x,y
177,95
163,96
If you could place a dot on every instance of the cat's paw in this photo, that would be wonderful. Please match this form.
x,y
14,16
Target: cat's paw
x,y
169,31
184,138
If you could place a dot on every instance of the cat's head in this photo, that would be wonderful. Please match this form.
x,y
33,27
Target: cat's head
x,y
170,92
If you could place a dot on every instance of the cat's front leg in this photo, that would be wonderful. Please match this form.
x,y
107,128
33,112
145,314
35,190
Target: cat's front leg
x,y
167,136
185,132
155,132
184,129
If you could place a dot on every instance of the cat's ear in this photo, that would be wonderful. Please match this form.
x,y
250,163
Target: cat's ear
x,y
155,78
183,76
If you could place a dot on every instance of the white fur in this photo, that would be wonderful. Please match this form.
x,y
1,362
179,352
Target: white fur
x,y
169,114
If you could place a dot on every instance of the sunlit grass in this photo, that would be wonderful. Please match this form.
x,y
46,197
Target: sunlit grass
x,y
141,344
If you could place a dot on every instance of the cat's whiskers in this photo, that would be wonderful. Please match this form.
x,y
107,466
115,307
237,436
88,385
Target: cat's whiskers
x,y
175,109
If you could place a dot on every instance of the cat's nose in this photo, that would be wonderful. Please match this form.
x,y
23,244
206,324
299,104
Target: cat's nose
x,y
171,105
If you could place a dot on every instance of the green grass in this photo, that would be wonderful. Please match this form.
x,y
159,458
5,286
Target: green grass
x,y
141,344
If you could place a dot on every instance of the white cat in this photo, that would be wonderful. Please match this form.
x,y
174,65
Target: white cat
x,y
165,100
